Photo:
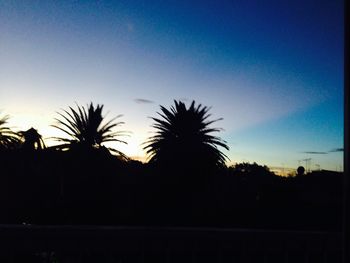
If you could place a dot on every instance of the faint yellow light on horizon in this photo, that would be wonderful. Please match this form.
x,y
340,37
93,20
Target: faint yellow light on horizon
x,y
133,148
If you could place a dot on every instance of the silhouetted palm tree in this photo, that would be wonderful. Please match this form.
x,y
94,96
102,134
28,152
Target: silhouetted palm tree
x,y
32,140
184,137
8,138
85,128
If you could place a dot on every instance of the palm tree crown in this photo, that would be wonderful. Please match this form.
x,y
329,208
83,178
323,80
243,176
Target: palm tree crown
x,y
183,135
85,127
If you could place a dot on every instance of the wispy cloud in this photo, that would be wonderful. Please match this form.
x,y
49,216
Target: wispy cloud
x,y
143,101
330,151
313,152
337,150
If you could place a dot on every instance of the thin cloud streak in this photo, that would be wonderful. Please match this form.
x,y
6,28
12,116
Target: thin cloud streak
x,y
331,151
337,150
143,101
312,152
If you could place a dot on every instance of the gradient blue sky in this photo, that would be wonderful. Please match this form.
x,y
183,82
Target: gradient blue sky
x,y
272,69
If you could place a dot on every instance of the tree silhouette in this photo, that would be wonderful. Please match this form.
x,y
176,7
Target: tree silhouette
x,y
32,140
8,138
184,138
86,129
251,168
300,170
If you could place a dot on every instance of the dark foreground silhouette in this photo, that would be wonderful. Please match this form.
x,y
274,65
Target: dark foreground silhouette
x,y
96,188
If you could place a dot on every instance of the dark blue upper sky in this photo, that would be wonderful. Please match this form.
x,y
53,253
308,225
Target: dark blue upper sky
x,y
272,69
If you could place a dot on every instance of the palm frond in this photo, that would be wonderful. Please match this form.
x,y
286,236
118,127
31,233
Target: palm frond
x,y
8,138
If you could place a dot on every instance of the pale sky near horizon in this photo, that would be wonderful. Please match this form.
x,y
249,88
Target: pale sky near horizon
x,y
273,70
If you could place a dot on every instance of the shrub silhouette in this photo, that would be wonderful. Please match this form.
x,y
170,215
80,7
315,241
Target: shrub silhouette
x,y
32,140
